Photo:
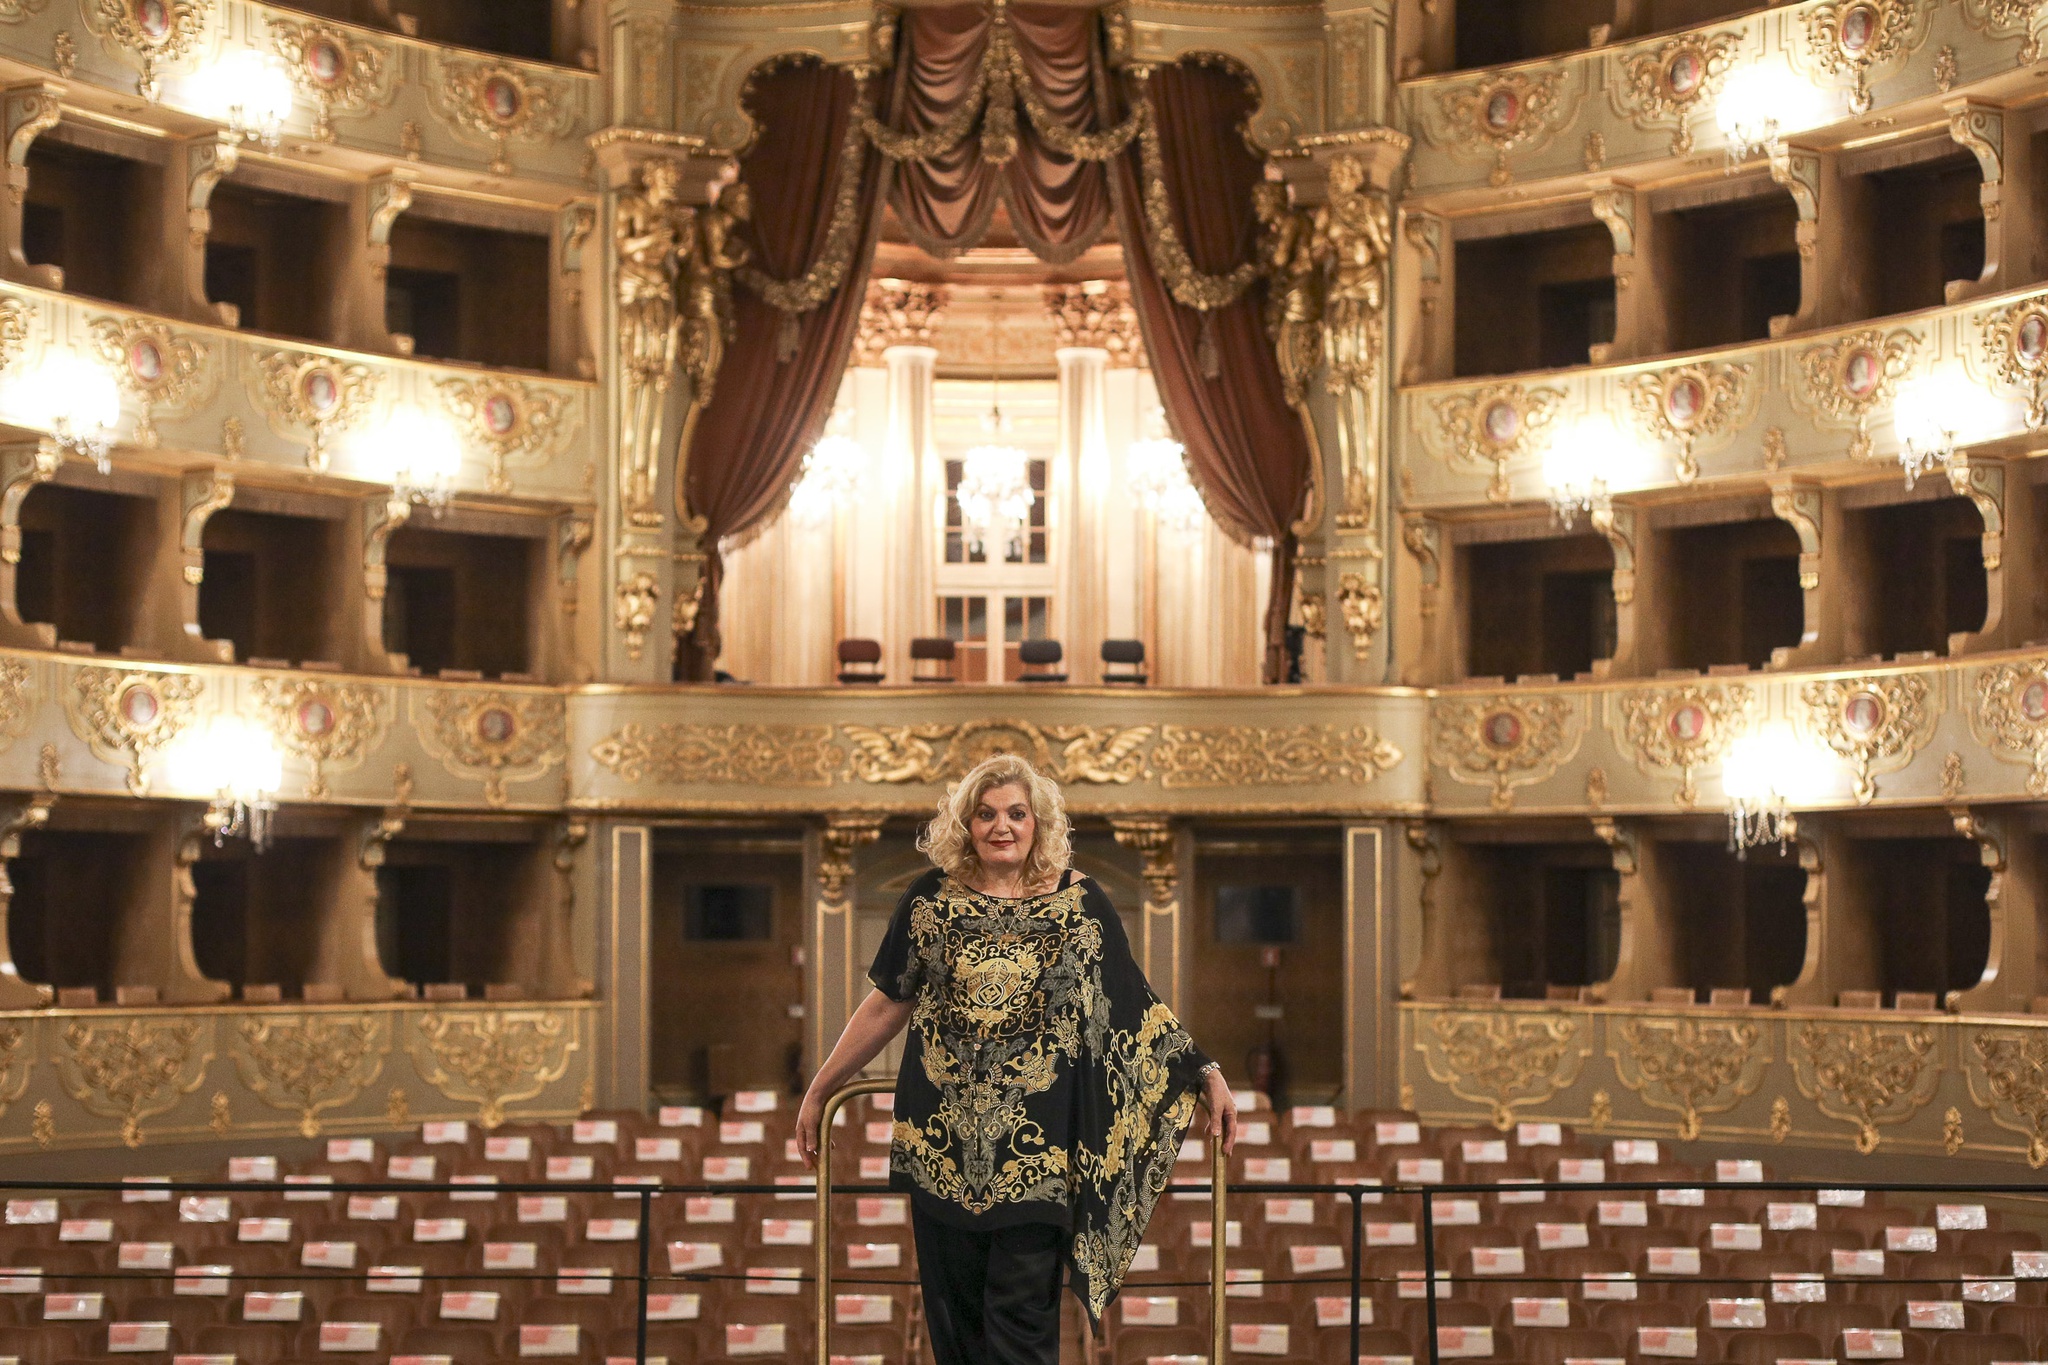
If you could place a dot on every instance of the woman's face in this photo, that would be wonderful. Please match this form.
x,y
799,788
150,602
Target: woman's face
x,y
1002,827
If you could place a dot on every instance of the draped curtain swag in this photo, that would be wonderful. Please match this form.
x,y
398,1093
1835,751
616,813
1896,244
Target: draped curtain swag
x,y
1173,168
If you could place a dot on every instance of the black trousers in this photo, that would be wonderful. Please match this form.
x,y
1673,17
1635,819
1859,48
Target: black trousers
x,y
991,1298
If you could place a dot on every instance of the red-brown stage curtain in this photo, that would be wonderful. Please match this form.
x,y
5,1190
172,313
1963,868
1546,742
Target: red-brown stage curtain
x,y
765,411
1058,205
1247,450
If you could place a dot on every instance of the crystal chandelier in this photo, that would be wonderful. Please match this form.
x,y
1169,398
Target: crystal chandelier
x,y
251,93
995,494
1933,415
240,764
1156,471
425,456
829,479
1761,775
1758,105
76,401
1579,465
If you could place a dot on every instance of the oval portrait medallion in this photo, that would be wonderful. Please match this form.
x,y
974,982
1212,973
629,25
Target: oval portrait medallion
x,y
1502,422
320,391
2030,340
1683,74
324,61
1862,713
1862,372
500,415
1688,723
145,361
139,706
1859,27
315,718
1501,729
495,725
2034,700
1502,109
1684,400
502,99
153,17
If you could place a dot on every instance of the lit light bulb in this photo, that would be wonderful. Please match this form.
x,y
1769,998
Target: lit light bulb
x,y
1583,463
829,480
74,399
1759,105
238,765
1936,414
250,92
424,454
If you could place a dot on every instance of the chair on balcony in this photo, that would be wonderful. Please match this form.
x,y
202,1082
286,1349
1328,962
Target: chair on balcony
x,y
934,659
1041,660
860,661
1123,661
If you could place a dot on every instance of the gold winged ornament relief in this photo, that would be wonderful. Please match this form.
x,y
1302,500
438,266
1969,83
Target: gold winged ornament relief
x,y
1501,113
329,726
155,365
1687,404
1849,379
1272,756
498,736
940,752
128,717
682,754
339,69
1855,37
2014,342
1494,425
514,422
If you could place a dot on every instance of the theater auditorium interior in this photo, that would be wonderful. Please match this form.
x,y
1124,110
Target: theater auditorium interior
x,y
1510,522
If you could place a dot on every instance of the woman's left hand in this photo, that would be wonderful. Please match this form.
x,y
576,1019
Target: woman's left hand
x,y
1222,1106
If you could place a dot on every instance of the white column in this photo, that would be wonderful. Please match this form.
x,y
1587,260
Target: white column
x,y
1082,484
1130,398
911,475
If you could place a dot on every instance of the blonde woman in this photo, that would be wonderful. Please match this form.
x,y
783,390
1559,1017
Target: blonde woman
x,y
1044,1090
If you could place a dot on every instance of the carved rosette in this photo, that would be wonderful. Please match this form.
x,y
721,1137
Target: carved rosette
x,y
680,753
343,71
148,34
1499,113
1089,754
1846,380
1855,37
154,365
2011,717
304,1063
1271,756
311,397
1876,722
498,736
1687,1066
2007,1071
127,717
499,102
1504,1060
1869,1074
513,422
1669,84
1493,425
132,1068
1687,404
1098,313
492,1058
2014,342
1681,729
1503,741
327,725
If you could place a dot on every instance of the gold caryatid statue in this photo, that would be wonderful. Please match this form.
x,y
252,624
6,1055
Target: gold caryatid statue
x,y
716,251
1294,286
654,231
1353,242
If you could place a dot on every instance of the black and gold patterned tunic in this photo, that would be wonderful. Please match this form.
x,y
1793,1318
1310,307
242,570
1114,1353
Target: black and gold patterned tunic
x,y
1042,1080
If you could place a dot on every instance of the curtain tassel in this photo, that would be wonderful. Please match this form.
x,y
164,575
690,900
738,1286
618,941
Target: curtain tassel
x,y
788,335
1207,354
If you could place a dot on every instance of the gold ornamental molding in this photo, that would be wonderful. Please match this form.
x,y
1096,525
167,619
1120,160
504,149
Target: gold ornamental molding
x,y
2007,1071
1681,729
341,70
492,1058
135,1068
2014,342
1494,425
148,34
499,102
14,327
1503,741
493,735
1686,404
1855,37
311,397
685,754
2008,19
1504,1060
1877,722
156,365
1092,754
17,701
17,1059
1846,380
1689,1066
1503,112
1671,83
513,422
2011,717
325,724
1869,1074
1270,756
305,1063
128,717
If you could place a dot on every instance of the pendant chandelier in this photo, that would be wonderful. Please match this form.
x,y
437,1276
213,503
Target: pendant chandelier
x,y
995,494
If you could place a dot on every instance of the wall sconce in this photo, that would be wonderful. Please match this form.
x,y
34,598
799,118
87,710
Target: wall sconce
x,y
1937,413
1764,774
1156,471
1759,105
251,93
75,400
1582,463
830,479
240,764
424,453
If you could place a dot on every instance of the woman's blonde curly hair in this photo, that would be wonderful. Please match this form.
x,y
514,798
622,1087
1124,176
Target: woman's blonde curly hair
x,y
947,842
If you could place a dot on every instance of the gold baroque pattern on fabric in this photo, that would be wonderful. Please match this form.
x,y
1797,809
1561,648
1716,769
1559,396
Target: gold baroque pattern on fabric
x,y
1271,756
682,754
492,1058
1504,1060
1689,1066
1868,1074
305,1063
131,1069
1089,754
2007,1072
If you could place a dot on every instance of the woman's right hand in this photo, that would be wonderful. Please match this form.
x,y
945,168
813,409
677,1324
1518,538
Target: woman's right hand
x,y
810,1117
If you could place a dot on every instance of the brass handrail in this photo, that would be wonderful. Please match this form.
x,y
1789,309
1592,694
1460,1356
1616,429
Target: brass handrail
x,y
1219,1226
823,1232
